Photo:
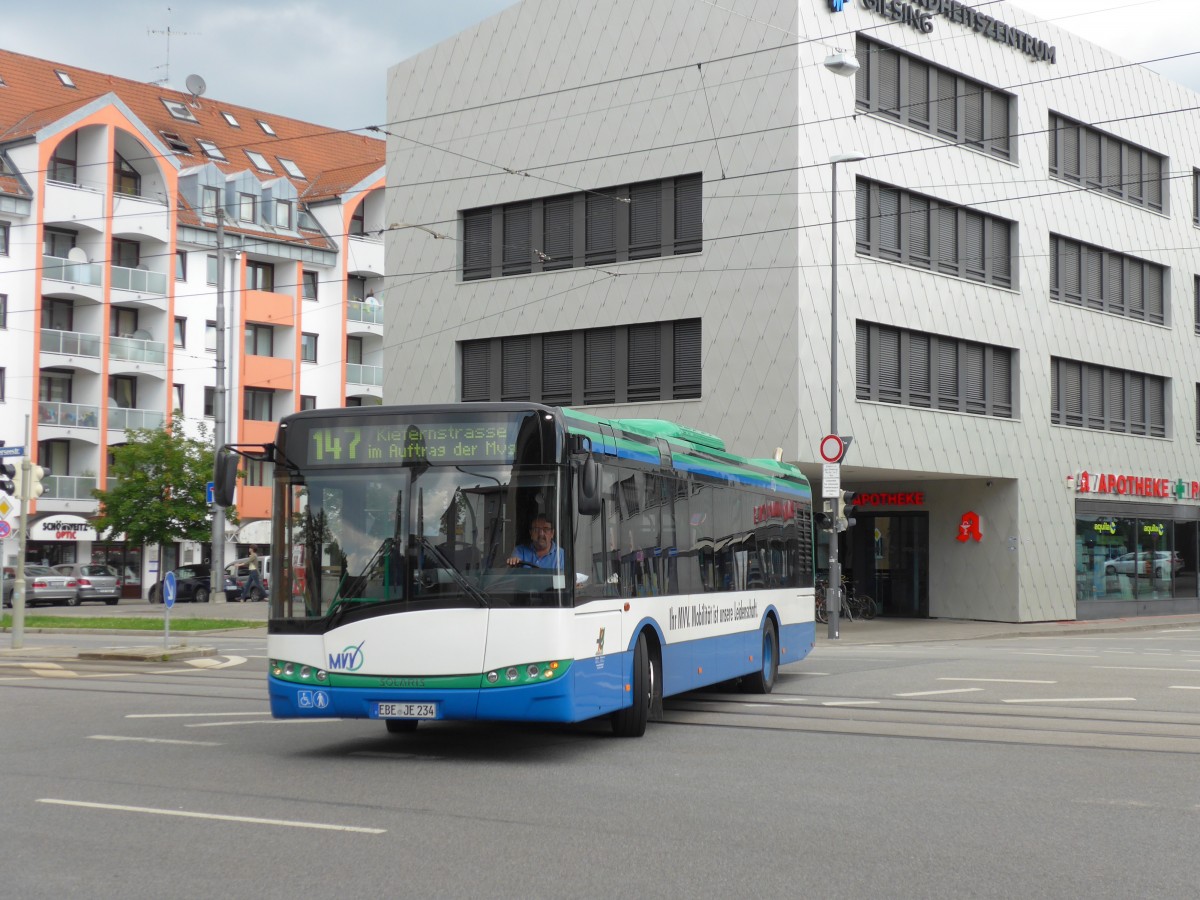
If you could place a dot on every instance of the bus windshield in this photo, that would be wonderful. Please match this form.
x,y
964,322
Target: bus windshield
x,y
366,541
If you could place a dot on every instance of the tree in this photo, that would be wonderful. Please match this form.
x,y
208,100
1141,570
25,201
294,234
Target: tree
x,y
157,486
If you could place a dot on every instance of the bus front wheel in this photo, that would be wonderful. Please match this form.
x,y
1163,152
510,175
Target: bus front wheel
x,y
762,681
631,721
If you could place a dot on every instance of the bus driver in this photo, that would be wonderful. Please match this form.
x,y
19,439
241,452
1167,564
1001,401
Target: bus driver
x,y
541,552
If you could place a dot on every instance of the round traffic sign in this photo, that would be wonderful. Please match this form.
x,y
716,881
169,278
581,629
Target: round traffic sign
x,y
5,529
168,590
832,448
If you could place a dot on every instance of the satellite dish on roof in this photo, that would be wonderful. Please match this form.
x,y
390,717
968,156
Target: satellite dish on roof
x,y
77,255
196,86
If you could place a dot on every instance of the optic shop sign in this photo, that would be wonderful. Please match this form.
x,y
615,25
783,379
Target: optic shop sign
x,y
918,14
62,528
1137,486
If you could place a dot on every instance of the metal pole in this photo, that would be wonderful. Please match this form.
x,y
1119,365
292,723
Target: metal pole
x,y
18,597
217,582
833,591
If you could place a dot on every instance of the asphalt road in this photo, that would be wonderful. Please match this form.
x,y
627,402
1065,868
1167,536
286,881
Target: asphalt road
x,y
1030,767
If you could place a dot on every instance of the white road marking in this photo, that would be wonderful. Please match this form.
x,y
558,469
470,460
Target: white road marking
x,y
792,700
192,715
213,816
850,703
1185,687
260,722
215,662
145,740
1067,655
758,705
29,665
1146,669
1001,680
1075,700
931,693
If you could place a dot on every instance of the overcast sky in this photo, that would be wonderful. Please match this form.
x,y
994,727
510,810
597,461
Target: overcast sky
x,y
325,61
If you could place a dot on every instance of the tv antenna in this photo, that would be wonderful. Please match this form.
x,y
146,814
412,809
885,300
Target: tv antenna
x,y
168,32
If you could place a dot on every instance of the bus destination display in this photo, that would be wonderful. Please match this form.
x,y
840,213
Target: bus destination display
x,y
434,442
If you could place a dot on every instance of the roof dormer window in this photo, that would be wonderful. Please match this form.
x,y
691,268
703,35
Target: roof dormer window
x,y
64,78
260,161
175,142
211,150
178,109
229,117
291,168
266,127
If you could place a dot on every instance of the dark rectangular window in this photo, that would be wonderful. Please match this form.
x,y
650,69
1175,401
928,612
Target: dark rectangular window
x,y
1085,395
210,402
127,254
4,226
260,340
259,404
1107,281
126,179
180,331
1100,162
913,92
63,163
912,368
308,401
181,258
623,364
904,227
260,276
308,347
1196,196
645,220
309,288
2,396
3,311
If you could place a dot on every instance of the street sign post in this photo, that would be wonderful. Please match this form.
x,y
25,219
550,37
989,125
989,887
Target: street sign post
x,y
12,451
832,448
168,596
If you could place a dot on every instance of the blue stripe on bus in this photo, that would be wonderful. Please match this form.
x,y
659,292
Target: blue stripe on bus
x,y
593,687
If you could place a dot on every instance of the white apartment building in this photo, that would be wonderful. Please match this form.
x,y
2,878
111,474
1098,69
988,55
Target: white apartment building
x,y
640,206
109,192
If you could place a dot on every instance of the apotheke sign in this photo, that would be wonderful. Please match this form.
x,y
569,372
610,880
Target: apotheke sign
x,y
918,14
1137,486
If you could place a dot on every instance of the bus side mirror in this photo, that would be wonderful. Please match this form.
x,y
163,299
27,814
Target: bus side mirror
x,y
224,477
588,495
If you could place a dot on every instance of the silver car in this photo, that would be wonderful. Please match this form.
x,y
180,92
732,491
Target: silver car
x,y
93,581
44,585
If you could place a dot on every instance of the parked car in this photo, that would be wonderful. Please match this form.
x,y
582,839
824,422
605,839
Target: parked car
x,y
93,582
8,578
44,585
191,583
1160,564
239,570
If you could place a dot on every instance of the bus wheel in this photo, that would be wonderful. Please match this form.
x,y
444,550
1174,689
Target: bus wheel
x,y
631,721
400,726
762,681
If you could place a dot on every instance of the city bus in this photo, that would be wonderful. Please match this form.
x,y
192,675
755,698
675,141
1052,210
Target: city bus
x,y
406,588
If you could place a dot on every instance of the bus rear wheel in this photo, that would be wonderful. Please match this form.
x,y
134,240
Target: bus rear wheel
x,y
400,726
646,688
762,681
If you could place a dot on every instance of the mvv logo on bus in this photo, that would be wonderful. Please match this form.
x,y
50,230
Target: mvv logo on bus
x,y
349,660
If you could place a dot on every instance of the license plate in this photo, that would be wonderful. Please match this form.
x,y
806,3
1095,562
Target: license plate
x,y
406,711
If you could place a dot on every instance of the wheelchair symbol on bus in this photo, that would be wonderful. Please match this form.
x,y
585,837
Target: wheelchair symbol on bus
x,y
312,699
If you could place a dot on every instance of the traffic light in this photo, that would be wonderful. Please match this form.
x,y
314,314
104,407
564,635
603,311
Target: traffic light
x,y
845,512
8,472
32,488
823,519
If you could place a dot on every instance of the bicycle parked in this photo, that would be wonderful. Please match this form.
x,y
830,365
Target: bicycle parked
x,y
855,605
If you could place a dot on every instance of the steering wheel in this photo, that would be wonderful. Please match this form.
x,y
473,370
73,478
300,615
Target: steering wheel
x,y
522,564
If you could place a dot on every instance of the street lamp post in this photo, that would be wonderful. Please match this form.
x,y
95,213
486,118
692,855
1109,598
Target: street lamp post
x,y
833,591
217,583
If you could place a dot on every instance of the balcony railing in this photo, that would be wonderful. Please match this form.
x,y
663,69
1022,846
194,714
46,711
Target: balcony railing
x,y
120,419
361,311
141,280
137,350
70,343
360,374
69,415
74,272
69,487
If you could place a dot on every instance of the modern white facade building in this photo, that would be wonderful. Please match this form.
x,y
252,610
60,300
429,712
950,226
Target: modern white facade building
x,y
637,197
109,192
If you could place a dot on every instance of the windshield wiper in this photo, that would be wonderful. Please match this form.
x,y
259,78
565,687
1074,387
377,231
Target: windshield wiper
x,y
459,578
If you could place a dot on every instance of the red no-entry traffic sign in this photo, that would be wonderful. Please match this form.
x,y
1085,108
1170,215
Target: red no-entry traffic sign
x,y
832,448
